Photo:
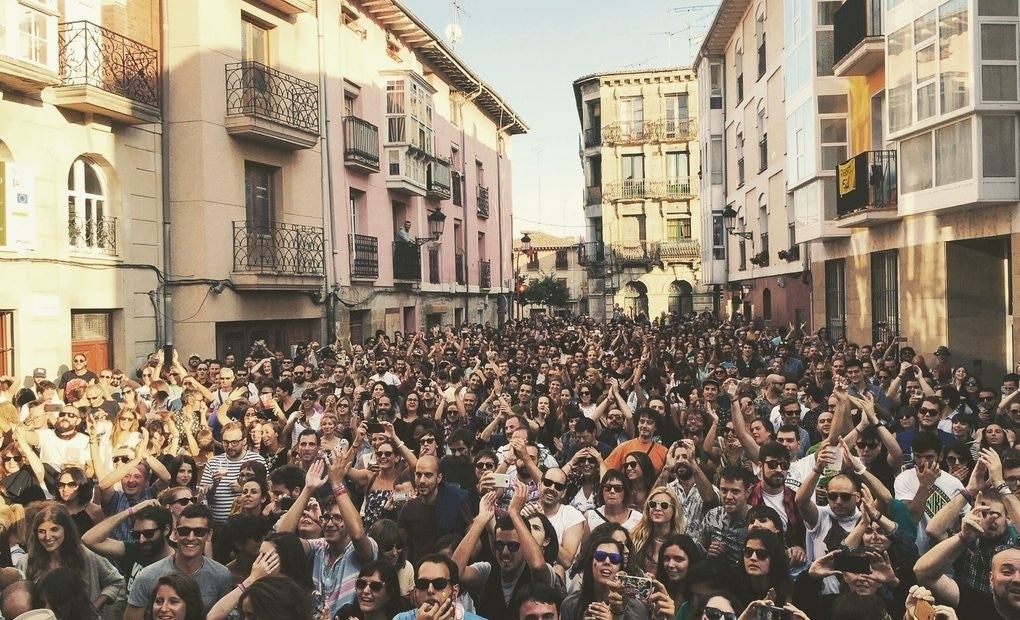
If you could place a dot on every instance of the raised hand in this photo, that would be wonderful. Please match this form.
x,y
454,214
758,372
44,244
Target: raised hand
x,y
265,564
316,476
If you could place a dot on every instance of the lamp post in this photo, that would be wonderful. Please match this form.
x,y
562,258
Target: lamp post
x,y
518,288
730,222
437,223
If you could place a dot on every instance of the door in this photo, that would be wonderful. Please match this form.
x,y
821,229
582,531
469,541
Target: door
x,y
977,307
255,53
91,334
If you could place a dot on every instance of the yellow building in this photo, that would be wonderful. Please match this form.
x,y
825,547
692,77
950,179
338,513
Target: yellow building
x,y
560,257
81,209
928,196
640,157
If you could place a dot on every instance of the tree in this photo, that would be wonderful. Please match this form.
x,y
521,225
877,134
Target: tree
x,y
548,291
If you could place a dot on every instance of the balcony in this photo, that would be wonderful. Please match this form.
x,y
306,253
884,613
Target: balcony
x,y
278,256
866,190
635,253
266,105
484,274
593,195
591,253
440,179
858,44
92,235
406,261
460,267
409,149
675,130
592,137
364,257
482,203
102,72
649,189
679,251
625,132
636,132
433,265
361,144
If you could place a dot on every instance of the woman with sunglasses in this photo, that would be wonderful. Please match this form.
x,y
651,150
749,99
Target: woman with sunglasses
x,y
583,473
612,503
764,567
376,595
390,538
380,484
663,515
131,400
640,472
75,491
958,460
19,456
676,556
125,432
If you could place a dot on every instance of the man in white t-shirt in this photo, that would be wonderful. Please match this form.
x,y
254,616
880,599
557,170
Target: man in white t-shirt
x,y
63,445
568,521
925,488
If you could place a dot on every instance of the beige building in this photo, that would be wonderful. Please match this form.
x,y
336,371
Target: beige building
x,y
559,257
303,136
928,198
640,157
81,211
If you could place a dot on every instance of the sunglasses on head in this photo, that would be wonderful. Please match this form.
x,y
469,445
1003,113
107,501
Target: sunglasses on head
x,y
613,557
185,532
559,486
439,583
375,586
512,546
150,533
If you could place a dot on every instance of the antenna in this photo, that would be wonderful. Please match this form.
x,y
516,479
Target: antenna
x,y
453,31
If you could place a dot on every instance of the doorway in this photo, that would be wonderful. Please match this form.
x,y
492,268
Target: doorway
x,y
977,308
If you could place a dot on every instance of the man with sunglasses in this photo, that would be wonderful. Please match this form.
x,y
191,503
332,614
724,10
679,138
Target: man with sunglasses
x,y
772,491
925,488
79,370
63,444
192,534
148,543
436,590
569,523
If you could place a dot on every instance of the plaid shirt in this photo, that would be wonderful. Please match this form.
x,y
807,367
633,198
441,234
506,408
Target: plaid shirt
x,y
975,563
731,532
796,532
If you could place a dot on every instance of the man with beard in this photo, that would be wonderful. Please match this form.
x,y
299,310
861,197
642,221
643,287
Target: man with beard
x,y
132,471
148,543
694,489
725,527
925,488
438,510
648,421
436,590
223,468
307,448
569,523
1005,583
616,431
193,532
772,491
345,547
457,467
63,445
519,558
584,437
770,396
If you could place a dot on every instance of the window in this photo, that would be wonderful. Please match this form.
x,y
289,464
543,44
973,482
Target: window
x,y
998,146
716,79
740,158
678,228
533,261
953,153
678,174
259,196
28,31
409,113
766,304
835,298
254,41
681,298
824,51
899,79
884,296
715,151
632,118
738,70
924,65
833,134
6,342
561,258
355,198
743,255
763,140
676,115
759,40
954,56
89,226
633,175
718,237
999,62
915,163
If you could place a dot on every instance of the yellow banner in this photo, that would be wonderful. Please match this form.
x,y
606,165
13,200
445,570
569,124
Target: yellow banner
x,y
847,177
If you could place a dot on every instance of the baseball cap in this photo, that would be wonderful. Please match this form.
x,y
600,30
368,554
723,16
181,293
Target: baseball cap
x,y
39,372
727,365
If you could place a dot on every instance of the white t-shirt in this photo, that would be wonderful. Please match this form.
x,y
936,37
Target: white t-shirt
x,y
595,519
817,545
564,519
58,452
945,488
775,502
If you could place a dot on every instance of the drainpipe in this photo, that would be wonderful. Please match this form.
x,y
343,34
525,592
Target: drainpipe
x,y
326,185
463,179
164,81
499,202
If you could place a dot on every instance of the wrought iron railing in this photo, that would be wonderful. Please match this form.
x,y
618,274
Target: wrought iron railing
x,y
591,253
406,261
279,248
484,273
648,131
92,234
677,189
593,195
624,131
439,178
592,137
364,257
854,21
91,55
866,181
675,129
641,252
483,201
457,183
433,265
361,142
253,89
460,266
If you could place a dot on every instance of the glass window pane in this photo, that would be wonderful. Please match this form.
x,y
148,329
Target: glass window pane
x,y
833,130
952,153
915,163
924,27
998,83
998,42
997,8
998,146
824,51
954,55
832,104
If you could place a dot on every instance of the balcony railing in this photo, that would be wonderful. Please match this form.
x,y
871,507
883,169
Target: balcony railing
x,y
624,132
91,234
484,274
406,261
665,189
253,89
91,55
433,265
483,201
591,253
361,143
279,248
679,250
592,137
440,179
867,181
635,252
675,129
460,266
663,130
593,195
854,21
364,257
457,188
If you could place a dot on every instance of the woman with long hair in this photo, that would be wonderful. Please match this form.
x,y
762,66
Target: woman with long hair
x,y
253,499
663,515
329,427
995,436
612,502
377,595
544,420
613,531
176,597
764,567
62,591
183,472
390,538
274,596
676,556
126,426
75,492
13,534
640,472
53,542
378,486
18,456
583,471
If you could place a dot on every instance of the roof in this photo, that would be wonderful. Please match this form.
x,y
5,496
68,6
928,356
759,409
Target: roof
x,y
727,18
612,72
545,241
417,36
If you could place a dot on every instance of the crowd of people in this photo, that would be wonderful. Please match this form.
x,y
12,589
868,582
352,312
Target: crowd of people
x,y
685,468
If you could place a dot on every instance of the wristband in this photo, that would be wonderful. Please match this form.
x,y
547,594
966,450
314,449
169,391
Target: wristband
x,y
400,445
240,586
1002,489
339,490
967,495
131,511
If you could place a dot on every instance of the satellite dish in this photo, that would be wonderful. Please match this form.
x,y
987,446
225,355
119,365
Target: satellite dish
x,y
453,33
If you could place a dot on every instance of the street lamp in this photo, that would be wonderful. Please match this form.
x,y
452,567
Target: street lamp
x,y
729,216
525,243
518,280
437,222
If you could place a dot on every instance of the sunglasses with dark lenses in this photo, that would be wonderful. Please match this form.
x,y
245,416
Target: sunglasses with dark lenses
x,y
660,505
613,488
68,414
760,554
184,531
485,465
17,458
392,546
613,557
559,486
588,460
717,614
375,586
120,460
866,445
439,583
150,534
630,464
385,454
427,440
846,497
67,485
512,546
772,464
183,501
927,411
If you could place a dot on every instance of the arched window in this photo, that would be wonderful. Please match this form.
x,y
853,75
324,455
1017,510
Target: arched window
x,y
635,298
89,229
766,305
681,298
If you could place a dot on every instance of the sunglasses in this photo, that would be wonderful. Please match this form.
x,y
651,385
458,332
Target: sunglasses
x,y
81,360
613,488
614,558
120,460
392,546
150,534
927,411
384,453
559,486
232,442
439,583
587,461
833,496
660,505
771,464
955,460
183,501
717,614
728,430
66,485
585,393
375,586
185,532
427,440
11,457
331,516
485,465
68,414
630,464
759,554
512,546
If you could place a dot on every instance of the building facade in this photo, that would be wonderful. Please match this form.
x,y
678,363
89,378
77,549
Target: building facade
x,y
755,261
304,135
559,257
81,209
640,157
928,195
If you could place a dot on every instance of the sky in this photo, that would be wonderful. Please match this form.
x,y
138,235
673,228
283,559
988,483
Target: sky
x,y
531,51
